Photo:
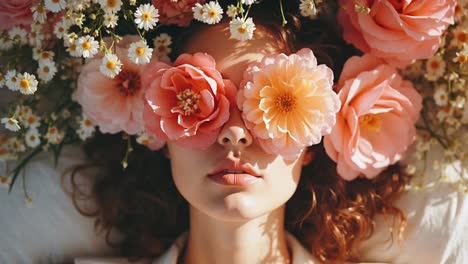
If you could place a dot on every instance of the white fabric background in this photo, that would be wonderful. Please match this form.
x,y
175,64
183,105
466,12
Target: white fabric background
x,y
53,231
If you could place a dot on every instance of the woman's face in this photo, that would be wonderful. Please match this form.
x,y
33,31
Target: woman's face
x,y
234,179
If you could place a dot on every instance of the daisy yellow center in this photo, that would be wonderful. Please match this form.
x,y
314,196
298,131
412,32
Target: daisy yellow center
x,y
52,130
55,1
286,102
463,58
242,29
61,29
87,123
140,51
32,138
31,120
146,16
462,37
435,65
13,79
46,69
110,65
73,47
371,122
86,45
111,3
40,9
212,13
3,179
188,101
11,123
24,84
45,55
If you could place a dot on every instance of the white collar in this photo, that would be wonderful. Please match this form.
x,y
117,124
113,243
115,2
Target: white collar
x,y
299,254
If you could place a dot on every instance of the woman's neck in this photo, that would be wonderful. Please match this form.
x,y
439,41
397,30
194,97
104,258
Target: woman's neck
x,y
260,240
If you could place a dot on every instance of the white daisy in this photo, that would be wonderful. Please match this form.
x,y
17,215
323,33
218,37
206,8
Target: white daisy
x,y
11,124
435,68
110,20
54,136
39,13
139,52
32,121
146,16
198,11
18,35
36,53
35,37
110,6
17,145
242,29
440,95
5,42
86,129
22,112
248,2
232,11
68,20
163,39
11,80
55,5
161,45
73,49
460,37
144,139
87,46
27,83
462,56
78,20
212,13
111,65
46,55
32,138
61,29
46,70
308,8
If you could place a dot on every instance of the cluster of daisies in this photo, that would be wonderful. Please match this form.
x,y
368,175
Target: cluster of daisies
x,y
443,82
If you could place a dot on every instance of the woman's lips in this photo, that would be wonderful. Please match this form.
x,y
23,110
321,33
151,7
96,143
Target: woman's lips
x,y
230,172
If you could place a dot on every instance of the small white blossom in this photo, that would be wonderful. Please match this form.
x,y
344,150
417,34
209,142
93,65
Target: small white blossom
x,y
36,53
78,20
31,121
110,6
161,45
17,145
61,29
18,35
86,129
11,124
139,52
212,13
248,2
22,112
459,102
55,5
5,42
68,20
242,29
35,37
198,11
11,80
39,13
111,65
163,39
462,56
32,138
232,11
441,95
54,136
87,46
308,8
110,20
46,70
46,55
27,83
73,49
435,68
146,16
460,37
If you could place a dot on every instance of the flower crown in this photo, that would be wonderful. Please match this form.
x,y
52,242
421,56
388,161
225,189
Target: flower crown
x,y
75,65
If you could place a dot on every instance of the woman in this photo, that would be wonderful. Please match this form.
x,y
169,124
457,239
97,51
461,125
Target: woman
x,y
235,201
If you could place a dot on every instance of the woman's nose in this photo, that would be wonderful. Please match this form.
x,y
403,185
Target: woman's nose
x,y
234,133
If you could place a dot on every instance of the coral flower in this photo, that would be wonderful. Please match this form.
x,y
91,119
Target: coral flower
x,y
113,104
397,31
376,123
187,103
288,102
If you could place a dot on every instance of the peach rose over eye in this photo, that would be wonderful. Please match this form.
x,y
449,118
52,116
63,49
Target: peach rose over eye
x,y
398,31
376,123
187,103
288,103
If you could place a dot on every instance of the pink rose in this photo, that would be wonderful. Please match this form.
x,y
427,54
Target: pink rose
x,y
176,12
187,103
15,13
376,123
397,31
113,104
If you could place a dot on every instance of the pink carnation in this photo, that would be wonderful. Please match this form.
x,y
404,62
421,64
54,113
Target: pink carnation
x,y
376,123
176,12
288,103
16,13
397,31
113,104
187,103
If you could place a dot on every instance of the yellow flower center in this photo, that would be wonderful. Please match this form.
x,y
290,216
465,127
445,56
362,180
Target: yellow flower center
x,y
111,3
86,45
435,65
11,123
241,29
3,180
286,102
52,130
46,69
188,101
110,65
140,51
371,122
32,138
72,47
462,37
55,1
24,84
88,123
463,58
146,16
212,13
40,10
